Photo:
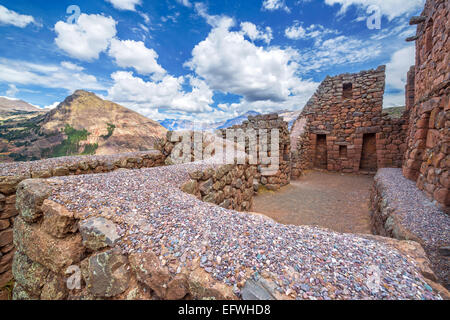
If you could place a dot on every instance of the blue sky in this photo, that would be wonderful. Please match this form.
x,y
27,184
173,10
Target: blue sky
x,y
206,60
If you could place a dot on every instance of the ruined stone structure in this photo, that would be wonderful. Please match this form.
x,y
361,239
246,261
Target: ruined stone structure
x,y
11,174
253,134
261,124
427,158
162,243
345,128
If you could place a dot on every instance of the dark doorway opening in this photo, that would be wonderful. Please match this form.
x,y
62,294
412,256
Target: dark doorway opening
x,y
320,160
347,92
369,152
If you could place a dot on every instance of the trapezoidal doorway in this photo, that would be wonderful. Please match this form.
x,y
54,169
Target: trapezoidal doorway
x,y
320,159
369,152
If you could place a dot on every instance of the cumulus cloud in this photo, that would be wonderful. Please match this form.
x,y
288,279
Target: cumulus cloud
x,y
389,8
272,5
51,106
134,54
230,63
398,67
254,33
167,94
65,76
125,4
9,17
86,38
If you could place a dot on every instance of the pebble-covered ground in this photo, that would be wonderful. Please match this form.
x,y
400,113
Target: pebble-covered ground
x,y
306,262
419,216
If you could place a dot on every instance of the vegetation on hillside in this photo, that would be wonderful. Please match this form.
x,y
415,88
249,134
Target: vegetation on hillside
x,y
71,145
111,128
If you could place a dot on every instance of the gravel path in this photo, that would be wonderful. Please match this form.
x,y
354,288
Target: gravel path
x,y
306,262
339,202
419,216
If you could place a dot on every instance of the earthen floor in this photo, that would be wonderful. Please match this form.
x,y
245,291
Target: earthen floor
x,y
336,201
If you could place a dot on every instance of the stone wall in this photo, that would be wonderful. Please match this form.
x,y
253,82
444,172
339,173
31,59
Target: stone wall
x,y
229,186
345,128
88,237
270,179
427,158
11,174
400,210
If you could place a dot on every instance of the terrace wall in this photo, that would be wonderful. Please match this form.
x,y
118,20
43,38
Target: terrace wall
x,y
11,174
427,159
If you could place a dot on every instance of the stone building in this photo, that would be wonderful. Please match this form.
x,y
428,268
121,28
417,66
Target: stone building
x,y
427,158
345,129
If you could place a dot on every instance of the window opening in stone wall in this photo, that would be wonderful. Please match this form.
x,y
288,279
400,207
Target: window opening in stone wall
x,y
343,151
347,91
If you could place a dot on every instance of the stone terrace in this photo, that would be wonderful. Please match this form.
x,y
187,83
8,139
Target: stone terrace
x,y
402,211
159,242
11,174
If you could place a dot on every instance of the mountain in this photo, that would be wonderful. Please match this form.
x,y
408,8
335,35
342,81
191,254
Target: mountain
x,y
238,120
11,106
82,124
174,125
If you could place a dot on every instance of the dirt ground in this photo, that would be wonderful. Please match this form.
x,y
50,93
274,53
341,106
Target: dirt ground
x,y
332,200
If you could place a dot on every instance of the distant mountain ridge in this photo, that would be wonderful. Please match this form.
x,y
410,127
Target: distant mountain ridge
x,y
174,125
82,124
9,105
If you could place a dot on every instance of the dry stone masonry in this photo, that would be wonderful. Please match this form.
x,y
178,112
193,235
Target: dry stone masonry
x,y
262,125
162,243
427,159
344,128
11,174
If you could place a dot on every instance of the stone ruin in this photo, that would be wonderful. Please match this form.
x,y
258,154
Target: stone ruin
x,y
427,159
342,127
137,226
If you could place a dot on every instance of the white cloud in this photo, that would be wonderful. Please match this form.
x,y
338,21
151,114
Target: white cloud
x,y
185,3
272,5
314,31
12,90
71,66
10,17
398,67
341,50
230,63
254,33
48,76
51,106
125,4
146,97
134,54
389,8
86,38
